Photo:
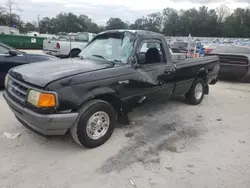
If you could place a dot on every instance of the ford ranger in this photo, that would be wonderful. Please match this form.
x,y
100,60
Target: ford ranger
x,y
117,71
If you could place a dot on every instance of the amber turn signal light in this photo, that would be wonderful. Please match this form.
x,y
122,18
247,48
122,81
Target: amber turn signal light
x,y
47,100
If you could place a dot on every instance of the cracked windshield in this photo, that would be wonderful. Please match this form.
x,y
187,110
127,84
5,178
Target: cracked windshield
x,y
124,94
115,48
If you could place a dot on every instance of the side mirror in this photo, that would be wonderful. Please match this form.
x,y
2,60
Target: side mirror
x,y
13,53
138,60
141,58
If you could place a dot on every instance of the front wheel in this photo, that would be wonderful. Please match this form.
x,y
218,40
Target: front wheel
x,y
95,124
196,93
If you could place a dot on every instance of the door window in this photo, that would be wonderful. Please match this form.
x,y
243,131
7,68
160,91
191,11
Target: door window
x,y
3,50
151,52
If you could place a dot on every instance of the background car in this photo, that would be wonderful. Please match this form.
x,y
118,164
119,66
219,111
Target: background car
x,y
234,62
10,57
67,46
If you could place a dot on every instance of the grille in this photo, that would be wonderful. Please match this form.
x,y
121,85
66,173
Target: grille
x,y
17,89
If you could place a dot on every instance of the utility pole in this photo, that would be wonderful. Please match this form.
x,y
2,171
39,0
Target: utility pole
x,y
10,16
11,5
38,22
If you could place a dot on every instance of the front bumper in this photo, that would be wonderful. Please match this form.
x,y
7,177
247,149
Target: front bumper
x,y
45,124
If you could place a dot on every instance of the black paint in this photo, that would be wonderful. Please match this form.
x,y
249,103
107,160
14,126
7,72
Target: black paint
x,y
79,80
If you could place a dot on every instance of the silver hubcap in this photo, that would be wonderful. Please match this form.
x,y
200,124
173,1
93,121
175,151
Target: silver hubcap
x,y
198,91
98,125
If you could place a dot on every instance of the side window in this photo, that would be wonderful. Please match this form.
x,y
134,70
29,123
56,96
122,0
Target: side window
x,y
3,50
82,37
151,52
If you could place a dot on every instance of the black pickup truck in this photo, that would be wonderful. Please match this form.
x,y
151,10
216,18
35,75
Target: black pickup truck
x,y
117,71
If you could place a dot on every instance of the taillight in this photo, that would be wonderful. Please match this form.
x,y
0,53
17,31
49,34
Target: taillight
x,y
57,46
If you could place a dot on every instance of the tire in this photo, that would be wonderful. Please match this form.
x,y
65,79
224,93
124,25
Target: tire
x,y
74,53
192,97
80,131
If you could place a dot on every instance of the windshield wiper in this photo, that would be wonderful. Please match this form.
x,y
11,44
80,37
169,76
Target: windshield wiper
x,y
109,60
117,61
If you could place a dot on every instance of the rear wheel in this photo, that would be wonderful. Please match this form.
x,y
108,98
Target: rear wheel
x,y
95,124
196,93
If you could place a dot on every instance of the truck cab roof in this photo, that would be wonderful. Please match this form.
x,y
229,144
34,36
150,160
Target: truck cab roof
x,y
140,33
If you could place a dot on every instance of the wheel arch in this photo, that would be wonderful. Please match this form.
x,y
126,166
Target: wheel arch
x,y
74,49
106,94
203,73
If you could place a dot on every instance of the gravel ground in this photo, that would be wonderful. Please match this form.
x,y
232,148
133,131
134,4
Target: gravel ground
x,y
167,145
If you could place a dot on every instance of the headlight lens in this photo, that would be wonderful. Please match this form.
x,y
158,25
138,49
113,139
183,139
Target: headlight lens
x,y
6,79
43,100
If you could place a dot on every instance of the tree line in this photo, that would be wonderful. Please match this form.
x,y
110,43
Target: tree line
x,y
220,22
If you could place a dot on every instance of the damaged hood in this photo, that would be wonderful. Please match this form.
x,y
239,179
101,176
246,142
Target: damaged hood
x,y
42,73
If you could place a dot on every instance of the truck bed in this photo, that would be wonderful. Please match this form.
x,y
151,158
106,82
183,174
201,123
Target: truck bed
x,y
187,70
198,62
191,67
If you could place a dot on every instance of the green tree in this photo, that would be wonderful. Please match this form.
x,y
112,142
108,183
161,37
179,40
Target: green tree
x,y
237,24
199,22
170,22
68,22
139,23
29,27
16,20
2,16
11,5
45,25
116,23
87,24
154,22
223,12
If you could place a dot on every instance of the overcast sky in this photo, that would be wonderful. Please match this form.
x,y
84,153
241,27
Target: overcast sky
x,y
101,10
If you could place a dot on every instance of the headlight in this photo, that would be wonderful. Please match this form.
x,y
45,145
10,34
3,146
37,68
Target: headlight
x,y
6,79
43,100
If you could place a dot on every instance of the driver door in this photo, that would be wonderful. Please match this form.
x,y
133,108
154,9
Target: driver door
x,y
154,70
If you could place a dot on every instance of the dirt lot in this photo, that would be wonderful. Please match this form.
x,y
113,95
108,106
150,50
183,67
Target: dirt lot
x,y
167,145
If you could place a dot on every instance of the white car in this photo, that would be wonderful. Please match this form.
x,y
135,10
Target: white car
x,y
67,46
